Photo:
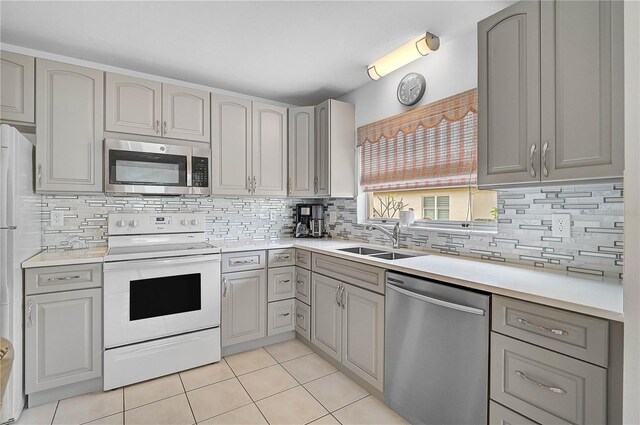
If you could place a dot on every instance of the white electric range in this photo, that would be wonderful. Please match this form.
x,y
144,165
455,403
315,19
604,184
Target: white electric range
x,y
161,297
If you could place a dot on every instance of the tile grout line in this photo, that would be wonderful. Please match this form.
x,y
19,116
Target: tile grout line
x,y
187,397
53,417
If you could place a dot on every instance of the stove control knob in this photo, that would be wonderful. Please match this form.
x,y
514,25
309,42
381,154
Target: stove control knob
x,y
121,223
194,222
184,222
133,223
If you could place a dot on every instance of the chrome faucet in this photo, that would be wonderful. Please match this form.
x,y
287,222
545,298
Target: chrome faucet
x,y
394,235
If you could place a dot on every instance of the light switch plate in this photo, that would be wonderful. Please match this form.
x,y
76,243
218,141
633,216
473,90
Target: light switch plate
x,y
273,215
57,218
333,217
561,225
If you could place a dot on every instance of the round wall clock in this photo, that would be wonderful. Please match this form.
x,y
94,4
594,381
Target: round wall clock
x,y
411,89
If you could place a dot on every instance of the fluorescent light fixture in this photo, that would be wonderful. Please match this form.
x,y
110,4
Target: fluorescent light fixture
x,y
409,52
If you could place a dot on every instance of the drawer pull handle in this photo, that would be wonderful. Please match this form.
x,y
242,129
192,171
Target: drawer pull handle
x,y
301,259
58,279
542,328
29,317
299,316
284,314
224,287
540,385
300,282
249,261
284,281
282,257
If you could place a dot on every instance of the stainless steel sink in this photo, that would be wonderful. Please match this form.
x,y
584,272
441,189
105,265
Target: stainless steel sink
x,y
362,250
379,253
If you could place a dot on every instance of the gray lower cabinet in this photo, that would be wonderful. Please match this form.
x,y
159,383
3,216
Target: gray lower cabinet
x,y
347,323
244,303
63,338
69,128
303,319
500,415
281,316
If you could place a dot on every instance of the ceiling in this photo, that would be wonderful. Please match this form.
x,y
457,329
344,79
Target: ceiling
x,y
297,52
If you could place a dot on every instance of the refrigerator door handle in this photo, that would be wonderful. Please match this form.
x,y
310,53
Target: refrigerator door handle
x,y
4,187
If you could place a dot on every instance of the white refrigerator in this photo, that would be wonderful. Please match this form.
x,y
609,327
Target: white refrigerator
x,y
19,239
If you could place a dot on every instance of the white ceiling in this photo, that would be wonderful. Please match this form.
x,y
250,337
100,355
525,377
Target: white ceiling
x,y
297,52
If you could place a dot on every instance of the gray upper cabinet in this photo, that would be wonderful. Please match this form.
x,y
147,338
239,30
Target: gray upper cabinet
x,y
269,157
63,338
550,93
133,105
509,95
150,108
186,113
231,145
301,151
582,99
17,93
322,149
69,129
244,303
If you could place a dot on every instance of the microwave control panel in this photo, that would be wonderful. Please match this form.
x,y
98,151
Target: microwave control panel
x,y
199,171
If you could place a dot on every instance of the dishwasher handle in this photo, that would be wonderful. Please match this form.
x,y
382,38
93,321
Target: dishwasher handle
x,y
441,303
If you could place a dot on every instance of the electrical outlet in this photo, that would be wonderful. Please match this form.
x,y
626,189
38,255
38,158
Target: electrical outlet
x,y
333,217
57,218
273,215
561,225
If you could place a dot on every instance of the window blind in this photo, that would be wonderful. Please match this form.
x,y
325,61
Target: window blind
x,y
432,146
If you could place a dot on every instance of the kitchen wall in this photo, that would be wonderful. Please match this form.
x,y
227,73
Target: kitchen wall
x,y
226,218
524,230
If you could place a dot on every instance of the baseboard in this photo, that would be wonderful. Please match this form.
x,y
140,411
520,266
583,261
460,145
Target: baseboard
x,y
63,392
257,343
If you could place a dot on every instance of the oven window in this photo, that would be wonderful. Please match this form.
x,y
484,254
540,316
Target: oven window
x,y
143,168
164,296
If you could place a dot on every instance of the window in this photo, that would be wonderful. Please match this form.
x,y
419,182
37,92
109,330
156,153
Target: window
x,y
425,159
435,207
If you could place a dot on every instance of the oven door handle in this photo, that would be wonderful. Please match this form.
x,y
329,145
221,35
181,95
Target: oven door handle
x,y
159,262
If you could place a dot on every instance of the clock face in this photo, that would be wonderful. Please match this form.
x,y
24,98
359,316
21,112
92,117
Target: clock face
x,y
411,89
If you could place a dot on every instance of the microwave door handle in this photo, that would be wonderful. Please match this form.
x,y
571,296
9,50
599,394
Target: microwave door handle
x,y
189,170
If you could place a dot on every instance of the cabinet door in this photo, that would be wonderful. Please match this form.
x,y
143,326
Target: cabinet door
x,y
63,338
321,149
281,283
509,95
230,145
69,130
269,150
301,151
582,83
17,93
185,113
244,302
363,334
326,315
133,105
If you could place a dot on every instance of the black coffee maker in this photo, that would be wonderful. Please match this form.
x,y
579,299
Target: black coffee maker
x,y
309,221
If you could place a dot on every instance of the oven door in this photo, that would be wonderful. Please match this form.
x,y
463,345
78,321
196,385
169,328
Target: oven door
x,y
149,299
147,168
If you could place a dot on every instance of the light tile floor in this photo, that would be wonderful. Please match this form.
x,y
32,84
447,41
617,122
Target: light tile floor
x,y
284,383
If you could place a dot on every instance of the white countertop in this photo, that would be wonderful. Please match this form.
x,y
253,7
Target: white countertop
x,y
596,296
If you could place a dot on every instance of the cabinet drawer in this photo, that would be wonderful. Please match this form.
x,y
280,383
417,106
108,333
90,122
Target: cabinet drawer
x,y
546,386
303,285
240,261
43,280
281,283
282,257
349,271
303,319
280,316
303,259
575,335
500,415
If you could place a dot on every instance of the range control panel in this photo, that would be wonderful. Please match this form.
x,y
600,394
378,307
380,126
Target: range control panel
x,y
142,224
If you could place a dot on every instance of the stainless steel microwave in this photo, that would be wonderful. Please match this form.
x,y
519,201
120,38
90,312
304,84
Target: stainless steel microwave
x,y
155,168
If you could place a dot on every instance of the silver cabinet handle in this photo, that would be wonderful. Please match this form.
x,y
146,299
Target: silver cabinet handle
x,y
533,166
237,261
284,314
282,257
29,318
158,127
224,287
545,148
337,297
290,186
39,175
299,316
165,128
315,184
542,328
342,297
301,259
284,281
254,184
540,385
435,301
300,282
249,183
57,279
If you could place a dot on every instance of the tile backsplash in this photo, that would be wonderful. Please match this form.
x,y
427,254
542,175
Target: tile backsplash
x,y
524,229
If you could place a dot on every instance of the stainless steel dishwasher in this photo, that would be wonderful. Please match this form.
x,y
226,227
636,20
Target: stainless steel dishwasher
x,y
436,352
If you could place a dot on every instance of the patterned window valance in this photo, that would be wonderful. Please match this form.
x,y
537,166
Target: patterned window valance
x,y
428,147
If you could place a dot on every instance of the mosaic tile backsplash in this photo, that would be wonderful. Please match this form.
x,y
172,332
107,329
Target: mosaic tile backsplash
x,y
524,230
523,237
